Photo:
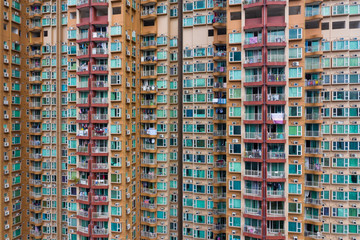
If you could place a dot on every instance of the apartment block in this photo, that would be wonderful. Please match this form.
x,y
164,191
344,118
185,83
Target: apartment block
x,y
169,119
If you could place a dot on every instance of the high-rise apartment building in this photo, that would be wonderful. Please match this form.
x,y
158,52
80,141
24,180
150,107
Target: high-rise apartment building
x,y
169,119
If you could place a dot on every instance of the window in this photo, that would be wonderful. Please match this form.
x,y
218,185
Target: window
x,y
295,169
235,75
295,131
295,188
116,10
354,24
235,56
295,33
294,10
338,25
234,111
295,52
234,167
235,38
235,16
295,72
295,92
325,26
295,207
235,203
294,227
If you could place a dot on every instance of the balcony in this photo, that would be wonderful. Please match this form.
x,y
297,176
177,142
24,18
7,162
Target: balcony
x,y
148,146
253,135
276,78
256,153
313,166
99,35
82,133
220,117
220,148
252,173
83,213
276,174
276,193
313,116
253,97
148,73
253,40
276,58
35,117
253,211
149,176
100,133
99,166
83,68
83,116
315,235
219,211
100,215
276,97
275,212
35,181
275,39
148,102
312,184
83,229
312,217
99,150
148,205
313,150
97,100
83,197
35,207
83,181
82,100
219,227
99,116
219,133
275,136
219,179
82,2
100,84
100,199
254,59
82,35
99,68
100,51
35,78
149,190
220,70
313,100
313,201
35,130
220,195
35,194
312,134
35,169
253,116
219,101
310,83
36,233
148,161
148,234
148,43
83,52
253,78
35,155
148,117
278,118
253,192
82,149
35,220
148,220
276,155
100,183
83,165
252,230
275,232
35,143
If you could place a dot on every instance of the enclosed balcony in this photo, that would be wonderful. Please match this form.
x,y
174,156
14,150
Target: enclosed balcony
x,y
276,56
253,75
276,36
252,226
253,188
312,180
313,113
312,130
275,190
275,132
253,38
312,214
253,150
276,151
275,170
275,209
253,169
253,56
313,147
275,228
253,131
253,113
312,197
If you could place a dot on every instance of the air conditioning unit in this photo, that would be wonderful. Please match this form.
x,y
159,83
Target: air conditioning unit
x,y
6,158
6,60
6,171
128,179
6,75
6,185
128,100
7,226
6,102
7,213
7,199
6,130
127,132
128,84
128,211
128,68
128,52
6,47
128,163
6,116
6,89
128,195
295,64
6,17
128,227
6,144
127,116
6,4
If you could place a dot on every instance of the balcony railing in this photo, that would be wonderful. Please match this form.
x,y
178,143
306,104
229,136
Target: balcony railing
x,y
148,234
82,133
253,192
276,77
100,35
312,134
275,193
148,43
101,67
35,130
83,229
219,19
275,232
83,116
99,84
148,146
313,150
100,116
219,226
82,101
276,174
148,205
148,220
83,35
253,116
100,182
100,214
82,52
253,135
83,149
312,183
220,69
83,165
82,85
275,135
253,40
275,39
100,134
256,153
219,179
313,82
315,235
148,117
312,217
220,148
99,198
36,233
253,78
313,116
150,176
148,102
82,2
99,150
313,167
313,201
276,58
276,97
35,207
254,59
35,169
149,11
35,78
313,100
253,211
219,211
99,166
83,213
219,133
100,100
220,117
252,230
253,97
220,195
100,51
148,161
276,155
275,212
149,190
252,173
83,197
148,73
35,194
101,231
